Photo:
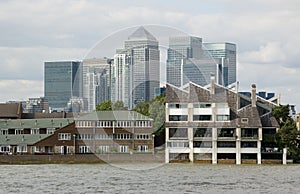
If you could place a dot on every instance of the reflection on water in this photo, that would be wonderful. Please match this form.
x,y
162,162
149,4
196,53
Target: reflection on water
x,y
169,178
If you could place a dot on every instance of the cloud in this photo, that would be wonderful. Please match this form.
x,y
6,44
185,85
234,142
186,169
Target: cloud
x,y
28,62
16,90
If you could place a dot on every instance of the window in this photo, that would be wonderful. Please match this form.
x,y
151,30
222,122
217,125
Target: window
x,y
103,136
4,149
251,144
178,133
123,148
22,148
226,132
143,136
50,149
123,136
34,131
40,149
178,117
103,149
142,148
177,105
202,144
50,130
178,144
19,131
84,149
201,105
202,132
85,136
201,117
244,120
64,136
251,133
222,117
3,131
226,144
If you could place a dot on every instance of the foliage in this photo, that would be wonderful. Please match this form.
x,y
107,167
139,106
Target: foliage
x,y
104,106
288,135
119,105
108,105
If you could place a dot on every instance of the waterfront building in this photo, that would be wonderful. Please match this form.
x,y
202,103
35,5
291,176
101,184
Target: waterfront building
x,y
225,56
62,81
18,136
96,82
214,124
135,72
104,132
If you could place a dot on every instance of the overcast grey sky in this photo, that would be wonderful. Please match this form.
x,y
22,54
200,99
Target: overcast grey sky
x,y
266,34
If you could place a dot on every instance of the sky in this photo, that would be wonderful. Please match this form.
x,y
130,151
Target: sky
x,y
266,34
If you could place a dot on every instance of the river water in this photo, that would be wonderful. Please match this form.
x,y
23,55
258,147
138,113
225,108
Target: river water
x,y
168,178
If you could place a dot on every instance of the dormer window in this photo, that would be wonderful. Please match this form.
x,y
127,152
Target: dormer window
x,y
244,120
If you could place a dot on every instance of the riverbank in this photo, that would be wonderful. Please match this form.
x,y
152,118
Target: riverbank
x,y
80,158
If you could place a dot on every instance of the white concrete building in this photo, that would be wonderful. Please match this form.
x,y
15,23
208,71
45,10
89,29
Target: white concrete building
x,y
217,125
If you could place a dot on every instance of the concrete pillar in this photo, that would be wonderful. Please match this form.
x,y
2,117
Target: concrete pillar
x,y
214,152
284,156
167,155
191,144
258,152
238,152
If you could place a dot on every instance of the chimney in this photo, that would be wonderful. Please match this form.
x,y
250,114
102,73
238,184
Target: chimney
x,y
212,83
253,95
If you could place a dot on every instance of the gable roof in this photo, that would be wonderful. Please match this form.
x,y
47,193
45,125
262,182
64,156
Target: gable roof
x,y
35,123
22,139
10,110
113,116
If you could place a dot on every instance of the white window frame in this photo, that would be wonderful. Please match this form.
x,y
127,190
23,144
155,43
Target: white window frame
x,y
124,148
64,136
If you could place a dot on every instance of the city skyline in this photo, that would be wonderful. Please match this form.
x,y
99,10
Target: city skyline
x,y
265,34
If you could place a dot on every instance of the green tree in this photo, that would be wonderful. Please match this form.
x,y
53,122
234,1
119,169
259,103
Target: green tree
x,y
119,105
104,106
288,135
143,108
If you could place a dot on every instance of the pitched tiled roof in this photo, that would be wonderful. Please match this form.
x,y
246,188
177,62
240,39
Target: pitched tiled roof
x,y
113,115
22,139
10,110
35,123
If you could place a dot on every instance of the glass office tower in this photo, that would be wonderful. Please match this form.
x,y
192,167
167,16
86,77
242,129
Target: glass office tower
x,y
62,81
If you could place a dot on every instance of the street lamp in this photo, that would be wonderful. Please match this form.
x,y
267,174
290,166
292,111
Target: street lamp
x,y
74,138
153,135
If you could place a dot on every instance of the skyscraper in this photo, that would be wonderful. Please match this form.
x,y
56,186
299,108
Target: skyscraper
x,y
225,56
62,81
135,71
188,62
96,82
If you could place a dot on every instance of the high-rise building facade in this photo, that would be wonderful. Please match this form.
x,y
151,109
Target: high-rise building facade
x,y
181,49
62,81
135,72
225,56
186,61
96,82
